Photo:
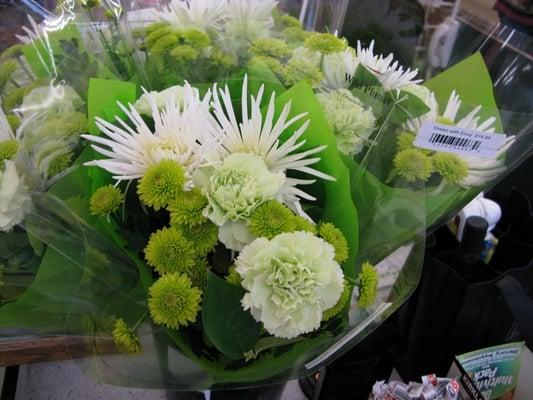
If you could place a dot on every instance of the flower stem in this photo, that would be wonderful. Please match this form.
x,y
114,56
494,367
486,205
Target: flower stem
x,y
139,322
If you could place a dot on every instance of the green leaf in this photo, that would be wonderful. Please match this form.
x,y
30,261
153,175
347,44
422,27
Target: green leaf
x,y
405,106
337,203
366,87
232,330
103,97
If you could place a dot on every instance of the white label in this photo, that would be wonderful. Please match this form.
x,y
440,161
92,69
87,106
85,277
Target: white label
x,y
451,139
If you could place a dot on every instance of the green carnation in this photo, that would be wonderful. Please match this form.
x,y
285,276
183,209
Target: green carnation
x,y
413,164
187,208
125,339
331,234
341,304
368,285
325,43
106,200
184,53
173,301
161,183
156,32
452,168
270,219
169,251
203,236
195,38
270,47
8,151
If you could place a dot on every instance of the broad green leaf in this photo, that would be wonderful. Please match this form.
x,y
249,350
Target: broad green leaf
x,y
232,330
337,204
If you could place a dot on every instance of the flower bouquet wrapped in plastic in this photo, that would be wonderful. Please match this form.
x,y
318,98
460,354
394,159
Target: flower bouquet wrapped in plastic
x,y
239,199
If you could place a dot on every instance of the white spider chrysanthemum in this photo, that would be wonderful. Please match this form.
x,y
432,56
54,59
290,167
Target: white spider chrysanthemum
x,y
249,20
184,133
198,14
390,74
338,68
261,136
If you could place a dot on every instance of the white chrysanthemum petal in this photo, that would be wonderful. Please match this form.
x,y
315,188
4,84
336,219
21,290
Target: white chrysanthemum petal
x,y
248,20
184,131
15,201
199,14
260,136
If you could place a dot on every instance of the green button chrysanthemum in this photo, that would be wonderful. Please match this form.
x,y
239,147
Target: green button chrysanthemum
x,y
195,38
8,150
285,21
331,234
168,251
161,183
413,164
233,276
302,70
173,301
184,53
404,140
294,34
106,200
325,43
186,209
13,121
302,224
125,339
203,237
268,62
198,273
270,47
70,124
270,219
61,163
341,304
452,168
368,285
6,70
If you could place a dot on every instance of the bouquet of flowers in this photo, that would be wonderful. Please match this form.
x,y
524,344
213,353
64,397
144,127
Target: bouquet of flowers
x,y
231,187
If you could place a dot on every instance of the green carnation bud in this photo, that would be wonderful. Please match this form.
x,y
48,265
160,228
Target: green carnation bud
x,y
8,151
161,183
325,43
452,168
186,209
270,219
125,339
270,47
368,285
331,234
341,304
413,164
173,301
106,200
169,251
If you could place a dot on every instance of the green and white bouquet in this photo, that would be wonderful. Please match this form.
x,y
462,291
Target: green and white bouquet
x,y
230,186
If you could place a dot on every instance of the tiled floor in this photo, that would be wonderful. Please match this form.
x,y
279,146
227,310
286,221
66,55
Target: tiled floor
x,y
64,381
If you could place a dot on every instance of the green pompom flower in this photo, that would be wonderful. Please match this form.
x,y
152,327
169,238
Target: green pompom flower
x,y
299,69
270,47
198,273
195,38
184,53
106,200
173,301
60,163
6,70
156,32
413,164
268,62
155,27
270,219
302,224
294,34
286,21
233,276
168,251
8,151
186,209
13,121
161,183
368,285
331,234
452,168
69,125
125,339
203,237
341,304
405,140
325,43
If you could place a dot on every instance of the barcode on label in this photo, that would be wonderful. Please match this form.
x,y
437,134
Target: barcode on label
x,y
446,140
